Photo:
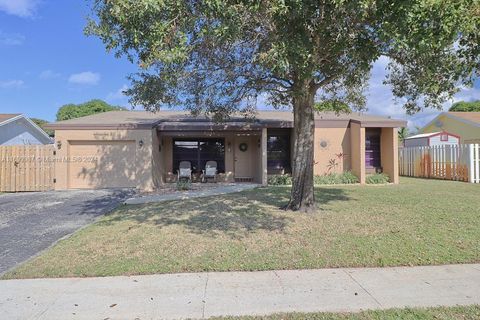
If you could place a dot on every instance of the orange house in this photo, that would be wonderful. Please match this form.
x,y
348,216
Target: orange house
x,y
142,149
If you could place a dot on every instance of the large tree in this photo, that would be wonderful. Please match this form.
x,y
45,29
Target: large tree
x,y
41,123
72,111
217,56
464,106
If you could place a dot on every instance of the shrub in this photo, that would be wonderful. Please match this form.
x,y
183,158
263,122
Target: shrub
x,y
279,180
377,178
184,184
336,178
331,178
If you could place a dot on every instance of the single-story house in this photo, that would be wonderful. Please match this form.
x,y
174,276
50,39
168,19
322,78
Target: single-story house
x,y
431,139
16,129
143,149
465,125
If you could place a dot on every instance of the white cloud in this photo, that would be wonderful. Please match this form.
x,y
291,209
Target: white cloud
x,y
11,39
49,74
7,84
117,95
380,99
467,94
85,78
20,8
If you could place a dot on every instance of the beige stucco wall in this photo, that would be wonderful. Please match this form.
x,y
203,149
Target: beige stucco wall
x,y
158,164
152,163
389,153
357,146
104,173
335,157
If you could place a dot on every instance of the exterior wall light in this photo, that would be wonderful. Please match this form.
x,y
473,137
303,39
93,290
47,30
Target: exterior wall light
x,y
140,143
229,146
59,144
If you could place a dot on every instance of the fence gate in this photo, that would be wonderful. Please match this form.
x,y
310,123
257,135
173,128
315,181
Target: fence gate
x,y
27,168
449,162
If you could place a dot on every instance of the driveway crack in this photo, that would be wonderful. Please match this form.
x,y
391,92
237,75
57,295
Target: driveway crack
x,y
363,288
204,300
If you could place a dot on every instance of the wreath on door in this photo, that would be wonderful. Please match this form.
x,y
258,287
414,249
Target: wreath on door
x,y
243,146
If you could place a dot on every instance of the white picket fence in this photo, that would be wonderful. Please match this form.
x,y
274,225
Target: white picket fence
x,y
449,162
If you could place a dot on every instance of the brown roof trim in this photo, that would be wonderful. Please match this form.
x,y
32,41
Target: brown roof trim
x,y
209,126
200,133
390,123
98,126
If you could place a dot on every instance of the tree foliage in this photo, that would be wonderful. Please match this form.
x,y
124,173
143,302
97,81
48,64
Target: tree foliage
x,y
463,106
41,123
217,56
403,133
332,106
72,111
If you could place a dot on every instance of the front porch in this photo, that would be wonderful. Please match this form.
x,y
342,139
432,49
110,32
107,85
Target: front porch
x,y
241,156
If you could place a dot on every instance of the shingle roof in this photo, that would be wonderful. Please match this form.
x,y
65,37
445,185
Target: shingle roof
x,y
144,119
7,116
471,116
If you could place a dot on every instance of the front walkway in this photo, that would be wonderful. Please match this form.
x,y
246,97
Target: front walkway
x,y
203,190
202,295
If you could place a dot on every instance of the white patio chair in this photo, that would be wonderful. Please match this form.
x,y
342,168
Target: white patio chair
x,y
185,170
210,171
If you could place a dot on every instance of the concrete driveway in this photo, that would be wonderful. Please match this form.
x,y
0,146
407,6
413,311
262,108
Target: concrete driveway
x,y
31,222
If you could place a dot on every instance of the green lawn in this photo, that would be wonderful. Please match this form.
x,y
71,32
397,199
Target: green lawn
x,y
419,222
451,313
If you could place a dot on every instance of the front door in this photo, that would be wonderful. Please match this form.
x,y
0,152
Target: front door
x,y
243,158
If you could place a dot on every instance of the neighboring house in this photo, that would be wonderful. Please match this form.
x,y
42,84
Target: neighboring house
x,y
16,129
143,149
466,125
431,139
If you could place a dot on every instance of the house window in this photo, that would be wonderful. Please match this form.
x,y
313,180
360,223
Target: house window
x,y
278,152
443,137
198,152
372,148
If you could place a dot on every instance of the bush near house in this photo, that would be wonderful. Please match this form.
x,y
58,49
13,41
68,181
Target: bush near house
x,y
330,178
377,178
183,185
279,180
336,178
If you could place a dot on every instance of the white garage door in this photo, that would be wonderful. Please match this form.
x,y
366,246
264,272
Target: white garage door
x,y
101,164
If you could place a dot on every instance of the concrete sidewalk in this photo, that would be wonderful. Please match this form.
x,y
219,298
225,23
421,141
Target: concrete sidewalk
x,y
202,295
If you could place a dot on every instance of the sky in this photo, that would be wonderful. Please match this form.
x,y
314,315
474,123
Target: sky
x,y
46,61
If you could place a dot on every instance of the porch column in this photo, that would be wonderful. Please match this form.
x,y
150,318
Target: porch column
x,y
389,153
357,141
264,157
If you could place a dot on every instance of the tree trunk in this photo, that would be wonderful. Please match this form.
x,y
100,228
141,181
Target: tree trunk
x,y
302,194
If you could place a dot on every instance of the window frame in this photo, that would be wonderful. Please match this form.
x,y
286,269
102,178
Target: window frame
x,y
286,160
197,159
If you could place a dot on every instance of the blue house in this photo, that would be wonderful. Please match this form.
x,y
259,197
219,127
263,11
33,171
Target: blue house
x,y
16,129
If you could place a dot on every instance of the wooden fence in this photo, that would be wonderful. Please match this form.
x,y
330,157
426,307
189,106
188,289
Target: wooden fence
x,y
449,162
27,168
